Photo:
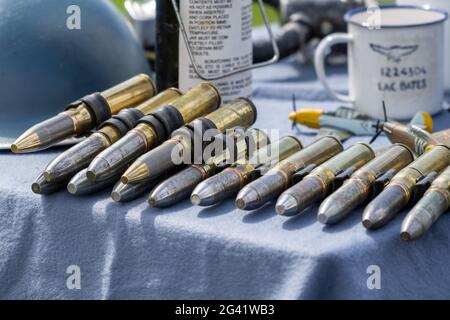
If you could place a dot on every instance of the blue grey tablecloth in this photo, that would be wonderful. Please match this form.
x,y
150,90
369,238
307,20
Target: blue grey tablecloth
x,y
133,251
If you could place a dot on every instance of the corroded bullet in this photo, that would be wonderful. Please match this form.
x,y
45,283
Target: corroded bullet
x,y
318,184
153,129
279,178
68,163
41,186
405,187
434,203
227,183
187,144
413,137
80,185
82,116
180,186
358,187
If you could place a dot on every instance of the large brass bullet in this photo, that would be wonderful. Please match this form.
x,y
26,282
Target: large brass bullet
x,y
82,116
358,188
187,144
434,203
228,182
318,184
405,185
279,178
153,129
68,163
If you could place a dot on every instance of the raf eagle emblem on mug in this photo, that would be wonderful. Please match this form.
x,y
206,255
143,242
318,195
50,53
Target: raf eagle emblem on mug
x,y
394,53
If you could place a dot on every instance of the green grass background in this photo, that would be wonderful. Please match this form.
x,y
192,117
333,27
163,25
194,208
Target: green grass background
x,y
257,17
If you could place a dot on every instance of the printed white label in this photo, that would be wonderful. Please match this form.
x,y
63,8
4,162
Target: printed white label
x,y
220,36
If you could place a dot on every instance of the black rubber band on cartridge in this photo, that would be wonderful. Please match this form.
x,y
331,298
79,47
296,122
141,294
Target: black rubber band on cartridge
x,y
124,121
97,105
164,121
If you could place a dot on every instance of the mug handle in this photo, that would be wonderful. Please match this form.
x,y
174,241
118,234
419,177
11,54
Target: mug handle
x,y
319,62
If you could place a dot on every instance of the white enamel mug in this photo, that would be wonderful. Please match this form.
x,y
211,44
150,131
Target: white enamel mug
x,y
396,55
441,4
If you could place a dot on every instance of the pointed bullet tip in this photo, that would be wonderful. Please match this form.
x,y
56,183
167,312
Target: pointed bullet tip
x,y
136,173
413,228
384,207
28,142
195,200
116,196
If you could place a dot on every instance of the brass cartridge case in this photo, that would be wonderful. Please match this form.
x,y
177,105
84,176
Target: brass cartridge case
x,y
198,101
163,98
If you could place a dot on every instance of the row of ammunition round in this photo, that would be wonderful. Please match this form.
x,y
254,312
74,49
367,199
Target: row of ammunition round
x,y
156,142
